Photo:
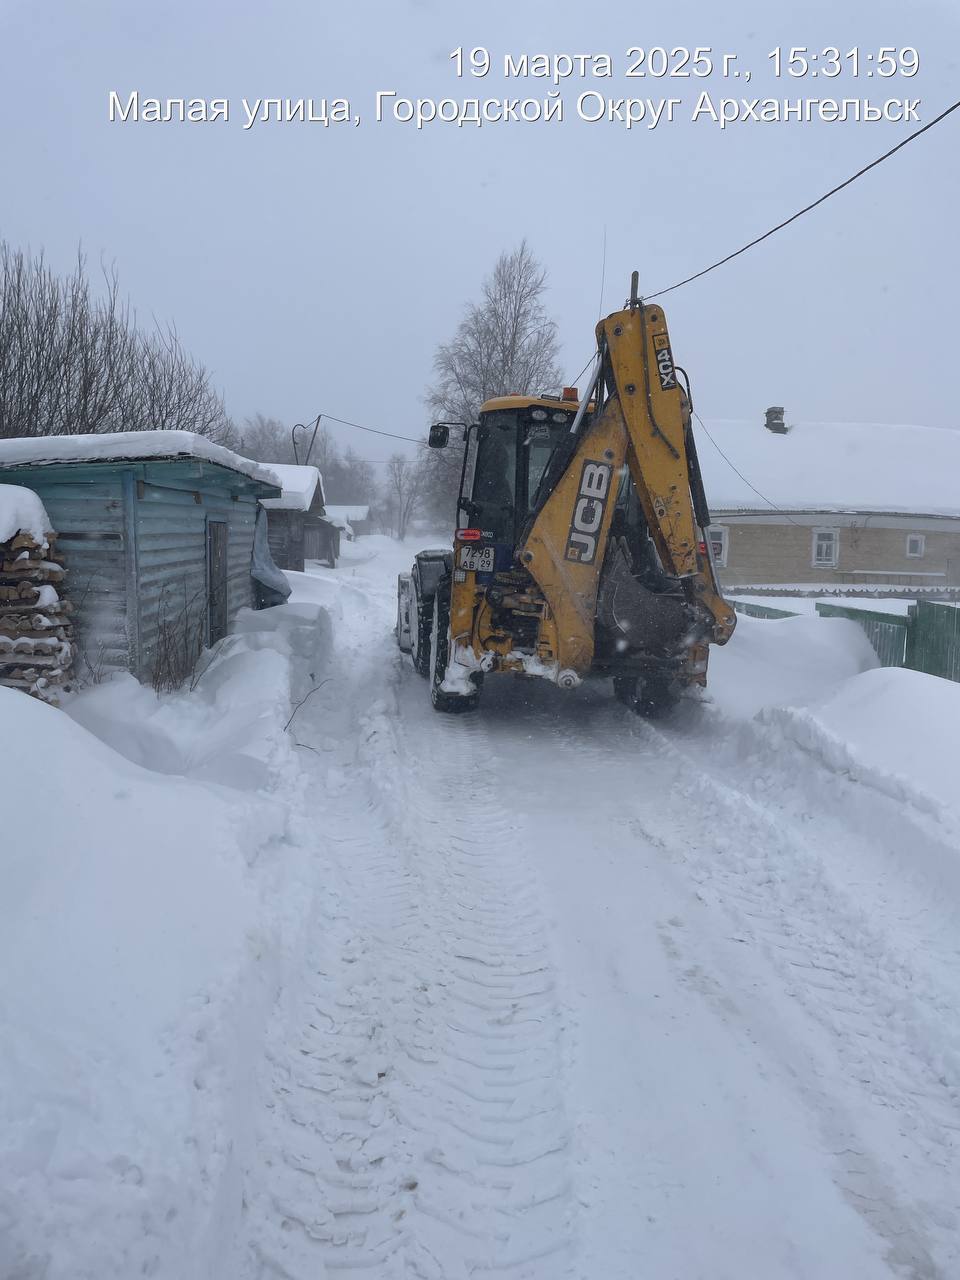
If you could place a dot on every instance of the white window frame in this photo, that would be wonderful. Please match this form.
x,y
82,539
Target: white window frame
x,y
720,561
835,559
916,537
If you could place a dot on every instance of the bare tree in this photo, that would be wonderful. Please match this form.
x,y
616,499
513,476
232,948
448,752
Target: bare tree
x,y
405,483
72,363
347,478
505,343
268,440
355,481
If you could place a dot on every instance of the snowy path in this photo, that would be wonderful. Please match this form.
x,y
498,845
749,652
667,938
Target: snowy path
x,y
588,997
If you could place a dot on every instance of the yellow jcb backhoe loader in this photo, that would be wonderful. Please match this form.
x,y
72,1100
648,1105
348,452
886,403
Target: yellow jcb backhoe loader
x,y
581,544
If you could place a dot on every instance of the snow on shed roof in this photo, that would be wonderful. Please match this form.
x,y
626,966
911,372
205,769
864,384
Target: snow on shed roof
x,y
831,466
127,446
299,487
21,511
348,513
338,522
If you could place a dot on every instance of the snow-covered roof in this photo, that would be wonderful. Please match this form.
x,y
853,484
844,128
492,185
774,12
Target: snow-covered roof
x,y
127,446
299,487
21,511
348,513
831,466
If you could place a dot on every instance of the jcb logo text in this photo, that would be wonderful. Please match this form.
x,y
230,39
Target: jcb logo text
x,y
588,512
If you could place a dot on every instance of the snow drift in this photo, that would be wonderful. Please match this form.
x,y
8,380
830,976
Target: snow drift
x,y
142,924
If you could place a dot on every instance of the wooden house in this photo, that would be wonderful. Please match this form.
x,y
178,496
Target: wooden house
x,y
298,529
852,506
156,531
354,520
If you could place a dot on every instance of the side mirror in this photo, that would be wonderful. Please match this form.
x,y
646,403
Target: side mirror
x,y
439,436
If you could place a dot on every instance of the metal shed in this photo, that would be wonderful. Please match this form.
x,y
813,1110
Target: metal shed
x,y
156,529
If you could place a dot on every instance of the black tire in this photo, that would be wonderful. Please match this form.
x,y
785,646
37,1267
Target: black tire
x,y
420,629
398,629
439,656
654,699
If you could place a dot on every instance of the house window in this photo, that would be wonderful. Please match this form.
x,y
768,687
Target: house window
x,y
719,537
826,548
916,545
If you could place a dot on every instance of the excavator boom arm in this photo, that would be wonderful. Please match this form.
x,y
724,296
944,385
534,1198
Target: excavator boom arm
x,y
642,422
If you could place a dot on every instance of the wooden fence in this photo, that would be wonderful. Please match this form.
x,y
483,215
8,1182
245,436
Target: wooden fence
x,y
933,640
887,632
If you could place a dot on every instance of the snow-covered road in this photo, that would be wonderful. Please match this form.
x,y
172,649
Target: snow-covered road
x,y
584,996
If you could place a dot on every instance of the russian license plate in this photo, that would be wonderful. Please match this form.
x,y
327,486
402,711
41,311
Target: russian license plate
x,y
477,559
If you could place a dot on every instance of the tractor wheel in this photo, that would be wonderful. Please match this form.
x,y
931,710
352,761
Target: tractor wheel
x,y
439,656
398,629
653,699
421,626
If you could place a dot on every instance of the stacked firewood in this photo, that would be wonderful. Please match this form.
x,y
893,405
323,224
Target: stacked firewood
x,y
36,645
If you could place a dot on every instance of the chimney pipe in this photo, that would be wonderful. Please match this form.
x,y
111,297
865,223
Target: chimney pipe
x,y
774,421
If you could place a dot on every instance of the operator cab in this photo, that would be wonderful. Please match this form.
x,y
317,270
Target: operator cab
x,y
507,453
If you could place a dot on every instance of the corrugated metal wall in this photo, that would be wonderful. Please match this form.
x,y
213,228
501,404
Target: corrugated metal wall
x,y
172,551
134,540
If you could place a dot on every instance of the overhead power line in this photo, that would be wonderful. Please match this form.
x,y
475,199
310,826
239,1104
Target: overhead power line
x,y
374,431
392,435
799,214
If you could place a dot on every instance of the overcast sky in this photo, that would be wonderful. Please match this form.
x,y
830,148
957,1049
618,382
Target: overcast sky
x,y
316,269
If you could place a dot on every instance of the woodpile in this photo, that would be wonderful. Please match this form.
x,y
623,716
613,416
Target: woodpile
x,y
36,638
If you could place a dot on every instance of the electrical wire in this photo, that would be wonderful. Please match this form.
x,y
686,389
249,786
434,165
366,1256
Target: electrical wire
x,y
392,435
603,273
740,473
780,225
374,431
590,359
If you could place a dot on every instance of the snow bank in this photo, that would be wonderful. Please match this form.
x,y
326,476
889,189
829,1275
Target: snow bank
x,y
786,660
813,684
229,727
902,726
143,922
21,511
124,915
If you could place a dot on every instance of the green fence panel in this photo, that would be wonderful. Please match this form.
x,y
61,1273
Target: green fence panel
x,y
887,632
934,645
761,610
927,640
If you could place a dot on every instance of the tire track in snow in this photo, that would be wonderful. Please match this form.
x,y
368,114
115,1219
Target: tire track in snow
x,y
889,1016
748,844
418,1126
408,1119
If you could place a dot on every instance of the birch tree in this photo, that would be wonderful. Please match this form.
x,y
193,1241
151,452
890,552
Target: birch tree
x,y
506,343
